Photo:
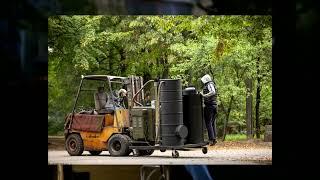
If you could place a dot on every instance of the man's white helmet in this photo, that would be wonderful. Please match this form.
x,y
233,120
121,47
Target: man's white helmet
x,y
122,92
206,78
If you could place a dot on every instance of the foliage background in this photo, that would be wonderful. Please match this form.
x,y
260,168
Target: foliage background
x,y
230,48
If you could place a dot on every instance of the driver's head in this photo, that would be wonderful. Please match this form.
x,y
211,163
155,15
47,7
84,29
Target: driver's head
x,y
122,93
100,89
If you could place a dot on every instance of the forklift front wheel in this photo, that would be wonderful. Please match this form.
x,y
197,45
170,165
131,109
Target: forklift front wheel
x,y
119,145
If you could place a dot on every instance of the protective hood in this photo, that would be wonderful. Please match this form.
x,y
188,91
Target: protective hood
x,y
206,78
123,92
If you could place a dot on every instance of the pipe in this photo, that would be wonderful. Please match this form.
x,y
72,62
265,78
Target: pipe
x,y
74,107
158,113
60,172
135,95
151,173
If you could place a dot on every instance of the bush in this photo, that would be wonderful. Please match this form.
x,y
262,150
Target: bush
x,y
55,125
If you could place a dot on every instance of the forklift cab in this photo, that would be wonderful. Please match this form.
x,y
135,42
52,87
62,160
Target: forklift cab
x,y
103,89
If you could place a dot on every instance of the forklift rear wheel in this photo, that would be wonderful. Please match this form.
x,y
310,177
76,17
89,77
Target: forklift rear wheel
x,y
175,153
74,145
119,145
145,152
204,150
95,153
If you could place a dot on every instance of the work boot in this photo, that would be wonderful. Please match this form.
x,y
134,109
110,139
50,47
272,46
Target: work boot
x,y
212,142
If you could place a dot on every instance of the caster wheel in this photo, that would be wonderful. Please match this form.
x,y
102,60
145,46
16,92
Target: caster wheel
x,y
162,150
175,154
204,150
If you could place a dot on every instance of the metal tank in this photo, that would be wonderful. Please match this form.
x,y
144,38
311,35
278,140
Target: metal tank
x,y
172,130
193,116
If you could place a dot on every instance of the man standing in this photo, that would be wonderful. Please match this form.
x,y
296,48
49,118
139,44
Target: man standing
x,y
210,110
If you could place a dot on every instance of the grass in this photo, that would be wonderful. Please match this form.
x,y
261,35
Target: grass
x,y
239,137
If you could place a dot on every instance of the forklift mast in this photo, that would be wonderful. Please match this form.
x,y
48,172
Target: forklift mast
x,y
134,84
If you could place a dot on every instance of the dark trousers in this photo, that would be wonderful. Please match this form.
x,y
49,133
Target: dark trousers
x,y
210,113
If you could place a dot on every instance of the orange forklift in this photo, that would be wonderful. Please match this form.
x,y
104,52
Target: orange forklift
x,y
122,115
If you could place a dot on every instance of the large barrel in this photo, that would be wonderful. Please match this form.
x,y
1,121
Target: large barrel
x,y
193,116
172,130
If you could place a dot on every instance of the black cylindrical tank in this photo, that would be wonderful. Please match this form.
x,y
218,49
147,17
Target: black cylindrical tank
x,y
193,116
172,130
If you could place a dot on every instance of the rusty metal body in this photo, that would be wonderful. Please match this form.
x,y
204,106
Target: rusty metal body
x,y
96,129
112,124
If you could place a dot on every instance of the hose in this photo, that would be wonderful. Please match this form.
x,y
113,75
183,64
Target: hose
x,y
157,140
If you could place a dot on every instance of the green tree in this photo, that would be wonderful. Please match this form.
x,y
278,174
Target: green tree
x,y
230,48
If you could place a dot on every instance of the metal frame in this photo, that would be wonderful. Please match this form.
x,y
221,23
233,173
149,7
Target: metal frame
x,y
164,171
135,95
159,147
107,79
144,145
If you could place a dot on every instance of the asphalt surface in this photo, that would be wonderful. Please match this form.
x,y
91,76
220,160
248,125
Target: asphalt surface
x,y
248,156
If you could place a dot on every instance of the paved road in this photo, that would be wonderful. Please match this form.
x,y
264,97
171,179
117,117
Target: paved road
x,y
214,156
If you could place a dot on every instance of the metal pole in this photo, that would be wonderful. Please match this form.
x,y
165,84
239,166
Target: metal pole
x,y
135,95
142,173
113,103
166,172
74,107
141,85
158,111
60,171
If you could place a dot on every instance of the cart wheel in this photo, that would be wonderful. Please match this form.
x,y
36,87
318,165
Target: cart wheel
x,y
175,153
163,150
205,150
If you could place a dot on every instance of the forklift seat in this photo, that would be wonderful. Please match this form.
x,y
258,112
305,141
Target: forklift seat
x,y
100,99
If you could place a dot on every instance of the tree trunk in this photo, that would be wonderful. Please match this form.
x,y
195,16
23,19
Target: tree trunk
x,y
158,72
249,108
229,107
110,64
123,65
165,73
258,101
227,118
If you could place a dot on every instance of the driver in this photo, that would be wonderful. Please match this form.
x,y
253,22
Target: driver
x,y
122,94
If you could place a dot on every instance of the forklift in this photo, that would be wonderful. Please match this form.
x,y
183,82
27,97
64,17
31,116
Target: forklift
x,y
129,116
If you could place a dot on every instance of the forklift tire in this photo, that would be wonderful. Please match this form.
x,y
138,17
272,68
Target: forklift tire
x,y
95,153
74,145
129,139
118,145
145,152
